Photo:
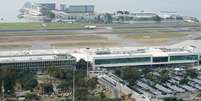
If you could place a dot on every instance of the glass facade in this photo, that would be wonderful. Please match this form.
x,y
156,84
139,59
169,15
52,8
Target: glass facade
x,y
183,57
38,65
146,59
160,59
122,60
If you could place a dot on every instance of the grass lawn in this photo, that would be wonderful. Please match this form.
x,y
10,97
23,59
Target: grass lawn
x,y
51,39
55,40
78,25
199,38
35,33
85,44
153,35
8,26
151,25
14,46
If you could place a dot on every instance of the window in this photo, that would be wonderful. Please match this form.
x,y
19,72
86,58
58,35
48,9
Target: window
x,y
123,60
184,57
160,59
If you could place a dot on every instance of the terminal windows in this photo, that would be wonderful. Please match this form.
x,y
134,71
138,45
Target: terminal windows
x,y
40,64
183,57
123,60
160,59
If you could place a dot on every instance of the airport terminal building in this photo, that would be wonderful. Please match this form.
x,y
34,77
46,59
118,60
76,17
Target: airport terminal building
x,y
113,57
146,57
35,59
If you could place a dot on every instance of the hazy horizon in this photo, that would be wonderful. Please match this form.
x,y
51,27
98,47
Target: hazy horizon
x,y
9,9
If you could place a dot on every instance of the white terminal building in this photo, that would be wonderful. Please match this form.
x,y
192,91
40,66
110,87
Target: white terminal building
x,y
35,59
144,57
105,57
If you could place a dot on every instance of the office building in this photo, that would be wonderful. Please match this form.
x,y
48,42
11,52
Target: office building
x,y
80,9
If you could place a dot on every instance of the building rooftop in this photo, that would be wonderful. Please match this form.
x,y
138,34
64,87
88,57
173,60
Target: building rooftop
x,y
33,55
156,52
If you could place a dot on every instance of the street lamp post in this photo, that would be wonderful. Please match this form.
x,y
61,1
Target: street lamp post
x,y
87,63
74,69
3,90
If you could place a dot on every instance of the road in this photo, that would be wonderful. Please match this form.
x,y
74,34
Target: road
x,y
102,30
118,88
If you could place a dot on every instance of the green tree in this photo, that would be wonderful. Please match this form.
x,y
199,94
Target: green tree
x,y
191,73
108,18
164,76
92,83
120,12
184,81
47,13
48,88
30,84
51,70
12,76
172,99
157,18
146,71
152,77
64,74
32,97
66,85
81,64
118,72
131,75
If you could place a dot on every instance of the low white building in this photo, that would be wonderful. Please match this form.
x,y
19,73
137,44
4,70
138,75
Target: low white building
x,y
36,59
144,56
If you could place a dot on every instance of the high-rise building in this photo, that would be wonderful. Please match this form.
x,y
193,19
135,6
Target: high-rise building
x,y
57,4
80,9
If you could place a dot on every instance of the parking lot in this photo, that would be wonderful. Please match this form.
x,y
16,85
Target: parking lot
x,y
173,87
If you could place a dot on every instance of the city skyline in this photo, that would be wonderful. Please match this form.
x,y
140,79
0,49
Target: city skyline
x,y
110,6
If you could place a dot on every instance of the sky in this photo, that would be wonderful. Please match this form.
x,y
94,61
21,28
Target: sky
x,y
9,9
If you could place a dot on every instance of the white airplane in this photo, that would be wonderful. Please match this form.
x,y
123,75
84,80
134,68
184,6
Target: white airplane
x,y
90,27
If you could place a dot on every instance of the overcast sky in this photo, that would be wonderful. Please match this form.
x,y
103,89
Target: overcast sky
x,y
9,8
